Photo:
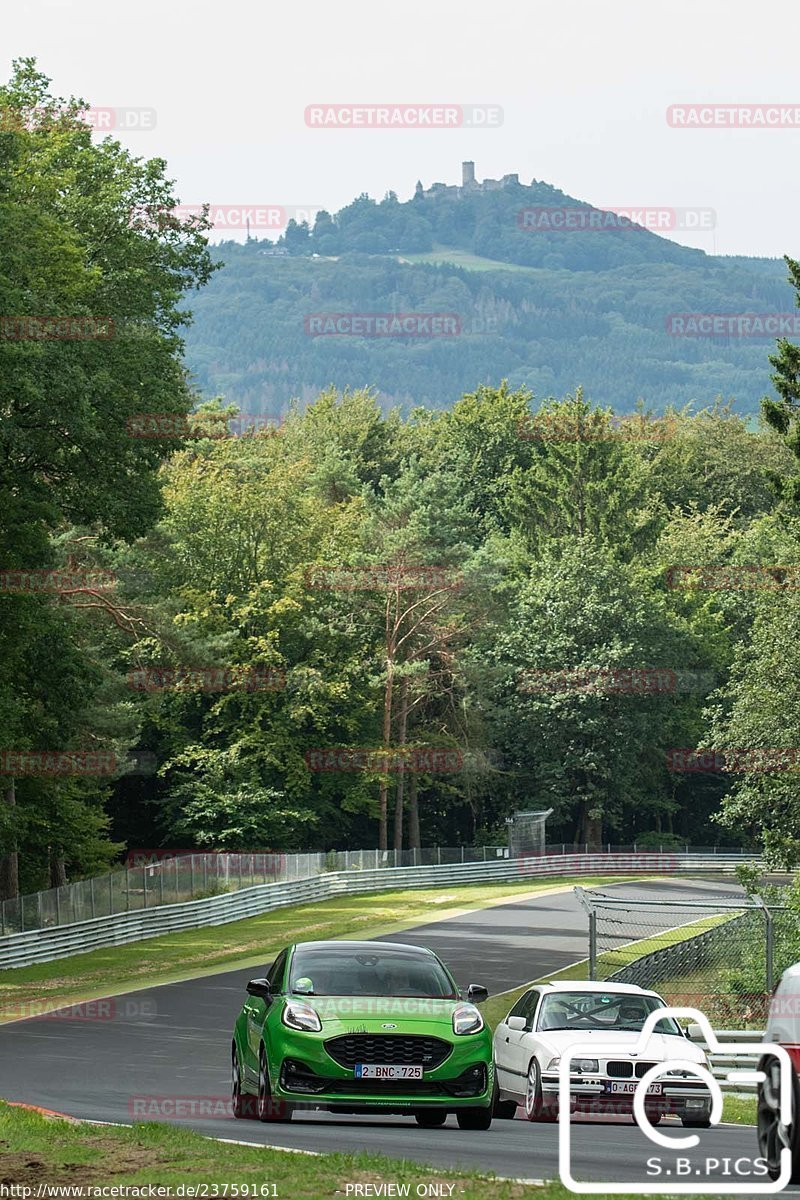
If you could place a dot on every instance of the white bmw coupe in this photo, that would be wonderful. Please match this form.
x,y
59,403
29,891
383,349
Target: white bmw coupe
x,y
550,1017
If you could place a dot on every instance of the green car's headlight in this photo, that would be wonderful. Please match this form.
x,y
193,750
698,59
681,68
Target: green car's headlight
x,y
467,1019
299,1015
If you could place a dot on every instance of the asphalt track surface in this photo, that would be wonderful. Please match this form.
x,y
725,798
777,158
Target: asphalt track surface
x,y
173,1042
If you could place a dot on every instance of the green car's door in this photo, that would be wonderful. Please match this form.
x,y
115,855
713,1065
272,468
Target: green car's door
x,y
256,1010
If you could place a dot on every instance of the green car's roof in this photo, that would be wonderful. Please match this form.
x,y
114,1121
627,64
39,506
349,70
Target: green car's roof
x,y
345,945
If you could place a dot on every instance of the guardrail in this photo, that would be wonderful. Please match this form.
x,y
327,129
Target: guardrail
x,y
721,1064
151,878
43,945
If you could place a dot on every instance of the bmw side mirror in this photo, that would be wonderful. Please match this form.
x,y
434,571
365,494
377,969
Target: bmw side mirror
x,y
259,987
518,1023
477,993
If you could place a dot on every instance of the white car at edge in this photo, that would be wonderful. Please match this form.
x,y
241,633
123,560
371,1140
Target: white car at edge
x,y
529,1043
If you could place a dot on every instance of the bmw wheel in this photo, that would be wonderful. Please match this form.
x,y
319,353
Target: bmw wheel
x,y
536,1108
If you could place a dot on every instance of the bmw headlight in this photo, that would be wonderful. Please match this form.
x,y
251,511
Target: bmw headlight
x,y
585,1065
299,1015
467,1019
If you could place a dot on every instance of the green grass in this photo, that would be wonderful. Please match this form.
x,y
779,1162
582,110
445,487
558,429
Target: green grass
x,y
251,942
463,258
739,1112
37,1150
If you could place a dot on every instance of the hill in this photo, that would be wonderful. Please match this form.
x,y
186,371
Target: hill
x,y
547,307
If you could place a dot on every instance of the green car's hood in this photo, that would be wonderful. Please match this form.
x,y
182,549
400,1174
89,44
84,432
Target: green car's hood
x,y
372,1012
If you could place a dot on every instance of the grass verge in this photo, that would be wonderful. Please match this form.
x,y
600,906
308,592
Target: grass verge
x,y
253,941
739,1112
42,1151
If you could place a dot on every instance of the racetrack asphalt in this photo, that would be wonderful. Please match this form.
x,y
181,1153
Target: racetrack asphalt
x,y
172,1043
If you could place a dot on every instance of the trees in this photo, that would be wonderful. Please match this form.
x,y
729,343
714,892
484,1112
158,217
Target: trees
x,y
756,718
574,696
91,279
783,414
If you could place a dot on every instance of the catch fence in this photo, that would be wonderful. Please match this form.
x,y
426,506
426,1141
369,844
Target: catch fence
x,y
159,877
717,955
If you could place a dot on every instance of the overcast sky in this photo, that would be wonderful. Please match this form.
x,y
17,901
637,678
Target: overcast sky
x,y
584,88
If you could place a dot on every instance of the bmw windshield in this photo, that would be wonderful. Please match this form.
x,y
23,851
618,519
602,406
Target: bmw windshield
x,y
379,972
612,1012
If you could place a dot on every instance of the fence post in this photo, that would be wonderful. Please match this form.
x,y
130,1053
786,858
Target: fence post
x,y
592,944
144,885
110,894
462,854
439,855
58,907
589,908
161,884
127,890
91,895
770,950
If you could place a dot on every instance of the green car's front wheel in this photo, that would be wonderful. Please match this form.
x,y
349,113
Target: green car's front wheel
x,y
243,1105
268,1108
474,1118
430,1118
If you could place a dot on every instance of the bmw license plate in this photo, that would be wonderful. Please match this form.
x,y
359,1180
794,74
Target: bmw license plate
x,y
628,1088
386,1071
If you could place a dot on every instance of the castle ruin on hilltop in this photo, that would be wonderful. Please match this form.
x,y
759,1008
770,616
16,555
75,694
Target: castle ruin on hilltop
x,y
469,184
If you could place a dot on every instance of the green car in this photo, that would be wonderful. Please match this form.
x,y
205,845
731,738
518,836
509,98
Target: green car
x,y
362,1027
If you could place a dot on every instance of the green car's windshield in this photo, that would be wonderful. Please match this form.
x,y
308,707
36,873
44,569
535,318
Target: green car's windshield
x,y
379,972
609,1011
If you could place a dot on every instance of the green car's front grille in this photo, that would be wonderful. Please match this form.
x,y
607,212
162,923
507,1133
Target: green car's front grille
x,y
386,1049
298,1077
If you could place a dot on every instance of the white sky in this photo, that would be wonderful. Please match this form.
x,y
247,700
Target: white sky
x,y
584,86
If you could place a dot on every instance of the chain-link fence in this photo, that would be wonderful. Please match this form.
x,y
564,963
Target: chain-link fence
x,y
168,881
715,955
170,877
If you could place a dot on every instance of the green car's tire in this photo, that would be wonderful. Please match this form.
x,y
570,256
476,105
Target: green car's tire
x,y
430,1118
268,1108
502,1110
474,1118
242,1104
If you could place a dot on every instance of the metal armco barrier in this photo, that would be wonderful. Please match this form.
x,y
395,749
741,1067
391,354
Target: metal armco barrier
x,y
43,945
721,1064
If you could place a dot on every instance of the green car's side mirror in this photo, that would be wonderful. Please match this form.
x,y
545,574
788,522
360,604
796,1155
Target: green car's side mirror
x,y
477,993
259,987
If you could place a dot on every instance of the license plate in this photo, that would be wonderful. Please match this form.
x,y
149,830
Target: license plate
x,y
629,1088
386,1071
